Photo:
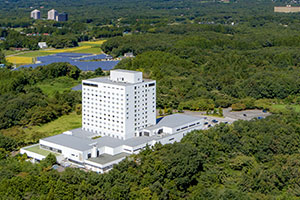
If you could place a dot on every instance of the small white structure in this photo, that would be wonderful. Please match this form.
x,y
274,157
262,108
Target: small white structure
x,y
121,109
129,55
42,45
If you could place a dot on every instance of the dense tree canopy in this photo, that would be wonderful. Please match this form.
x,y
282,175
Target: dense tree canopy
x,y
256,159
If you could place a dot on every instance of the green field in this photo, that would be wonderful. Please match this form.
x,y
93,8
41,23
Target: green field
x,y
60,85
275,108
60,125
92,50
32,134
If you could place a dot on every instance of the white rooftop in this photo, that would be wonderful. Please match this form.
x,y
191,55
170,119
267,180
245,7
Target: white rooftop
x,y
107,80
174,120
82,140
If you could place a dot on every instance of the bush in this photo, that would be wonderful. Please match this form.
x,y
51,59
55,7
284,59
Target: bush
x,y
238,107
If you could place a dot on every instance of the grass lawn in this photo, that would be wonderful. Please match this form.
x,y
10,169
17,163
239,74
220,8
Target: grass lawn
x,y
92,43
38,150
92,50
60,85
60,125
32,134
282,107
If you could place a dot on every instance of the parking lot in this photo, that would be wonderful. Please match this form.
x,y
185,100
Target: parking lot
x,y
229,116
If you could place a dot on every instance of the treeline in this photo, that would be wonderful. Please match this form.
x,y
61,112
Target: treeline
x,y
255,159
14,39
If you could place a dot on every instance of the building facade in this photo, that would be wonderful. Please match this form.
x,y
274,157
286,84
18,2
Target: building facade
x,y
62,17
35,14
119,106
52,14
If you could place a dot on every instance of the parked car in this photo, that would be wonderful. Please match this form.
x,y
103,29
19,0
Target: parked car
x,y
245,115
226,122
205,123
264,111
215,121
209,125
259,117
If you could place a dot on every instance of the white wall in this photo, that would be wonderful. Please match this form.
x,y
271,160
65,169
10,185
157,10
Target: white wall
x,y
70,153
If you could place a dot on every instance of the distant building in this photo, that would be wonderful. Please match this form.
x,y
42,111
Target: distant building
x,y
52,14
129,55
62,17
42,45
286,9
36,14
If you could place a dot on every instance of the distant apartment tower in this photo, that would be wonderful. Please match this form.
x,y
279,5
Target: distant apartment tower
x,y
35,14
287,9
62,17
120,105
52,14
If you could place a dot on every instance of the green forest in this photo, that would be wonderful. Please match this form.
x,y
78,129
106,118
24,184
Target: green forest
x,y
204,55
256,159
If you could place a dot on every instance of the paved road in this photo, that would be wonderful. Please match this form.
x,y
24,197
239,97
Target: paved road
x,y
229,116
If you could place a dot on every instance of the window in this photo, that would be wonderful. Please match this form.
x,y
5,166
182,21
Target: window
x,y
90,84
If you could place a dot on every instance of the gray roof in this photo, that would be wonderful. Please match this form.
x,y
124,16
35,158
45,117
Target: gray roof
x,y
70,141
108,141
106,79
81,139
77,87
106,158
136,141
174,120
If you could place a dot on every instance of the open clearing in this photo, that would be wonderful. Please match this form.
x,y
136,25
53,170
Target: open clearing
x,y
60,85
60,125
282,107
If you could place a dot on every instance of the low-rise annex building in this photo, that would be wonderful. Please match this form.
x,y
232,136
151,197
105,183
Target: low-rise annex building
x,y
119,119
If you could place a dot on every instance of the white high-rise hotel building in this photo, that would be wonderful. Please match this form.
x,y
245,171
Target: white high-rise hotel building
x,y
121,108
120,105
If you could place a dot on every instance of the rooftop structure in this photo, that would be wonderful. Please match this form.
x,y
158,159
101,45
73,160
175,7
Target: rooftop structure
x,y
118,119
35,14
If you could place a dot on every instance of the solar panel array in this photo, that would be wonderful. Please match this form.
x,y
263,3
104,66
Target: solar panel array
x,y
82,61
96,57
